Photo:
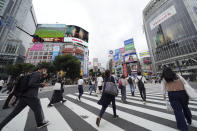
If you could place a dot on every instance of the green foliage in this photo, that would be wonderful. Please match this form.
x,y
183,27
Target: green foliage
x,y
19,68
69,64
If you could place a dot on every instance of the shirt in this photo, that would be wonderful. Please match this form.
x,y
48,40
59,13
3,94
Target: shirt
x,y
80,82
139,77
124,82
99,81
1,82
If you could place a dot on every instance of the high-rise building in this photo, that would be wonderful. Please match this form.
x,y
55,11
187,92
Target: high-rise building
x,y
171,32
14,42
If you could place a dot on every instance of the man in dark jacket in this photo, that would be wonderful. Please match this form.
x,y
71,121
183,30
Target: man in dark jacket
x,y
30,98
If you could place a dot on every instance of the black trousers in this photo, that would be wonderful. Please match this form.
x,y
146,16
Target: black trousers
x,y
33,103
9,98
104,108
143,93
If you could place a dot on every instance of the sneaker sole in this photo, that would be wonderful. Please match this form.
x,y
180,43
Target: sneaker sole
x,y
43,125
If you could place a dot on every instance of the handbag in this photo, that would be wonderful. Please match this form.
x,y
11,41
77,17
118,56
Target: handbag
x,y
111,88
57,86
190,91
168,106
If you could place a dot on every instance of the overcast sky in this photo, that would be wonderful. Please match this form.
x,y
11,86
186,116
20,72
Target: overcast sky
x,y
109,22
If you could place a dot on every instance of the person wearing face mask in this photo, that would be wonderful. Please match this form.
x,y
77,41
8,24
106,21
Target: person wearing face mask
x,y
30,98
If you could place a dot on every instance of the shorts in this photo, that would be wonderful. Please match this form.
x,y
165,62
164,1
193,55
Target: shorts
x,y
100,88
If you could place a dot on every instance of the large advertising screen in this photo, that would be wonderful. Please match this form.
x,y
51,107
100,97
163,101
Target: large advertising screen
x,y
77,32
50,30
131,57
129,44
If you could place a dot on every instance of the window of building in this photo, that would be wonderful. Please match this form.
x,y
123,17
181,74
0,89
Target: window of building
x,y
40,53
45,53
36,53
44,57
35,57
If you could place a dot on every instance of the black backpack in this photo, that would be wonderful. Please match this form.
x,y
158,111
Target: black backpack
x,y
130,81
22,84
140,83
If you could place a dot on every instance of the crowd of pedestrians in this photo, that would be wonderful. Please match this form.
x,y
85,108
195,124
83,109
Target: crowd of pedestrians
x,y
171,83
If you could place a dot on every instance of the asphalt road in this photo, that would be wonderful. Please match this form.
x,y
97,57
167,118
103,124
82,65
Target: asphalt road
x,y
81,116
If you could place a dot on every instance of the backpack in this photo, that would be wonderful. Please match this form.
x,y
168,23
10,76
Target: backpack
x,y
140,83
120,84
22,84
130,81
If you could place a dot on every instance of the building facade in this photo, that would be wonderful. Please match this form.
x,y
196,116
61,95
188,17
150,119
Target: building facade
x,y
59,39
171,32
14,42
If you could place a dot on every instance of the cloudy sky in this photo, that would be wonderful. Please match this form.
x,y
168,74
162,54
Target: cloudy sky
x,y
109,22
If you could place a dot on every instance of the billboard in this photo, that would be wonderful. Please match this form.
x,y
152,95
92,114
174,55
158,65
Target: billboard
x,y
75,40
145,54
122,50
56,50
117,51
36,47
116,57
131,57
77,32
50,30
129,44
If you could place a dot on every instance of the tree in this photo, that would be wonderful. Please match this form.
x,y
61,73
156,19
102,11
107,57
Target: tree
x,y
69,64
19,68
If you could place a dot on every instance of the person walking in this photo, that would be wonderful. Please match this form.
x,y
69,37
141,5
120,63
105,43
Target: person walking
x,y
179,100
1,83
140,80
30,98
131,82
106,99
123,88
93,87
100,83
80,87
58,95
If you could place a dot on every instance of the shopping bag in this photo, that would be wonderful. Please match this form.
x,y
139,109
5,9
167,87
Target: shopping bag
x,y
190,91
57,86
111,88
168,106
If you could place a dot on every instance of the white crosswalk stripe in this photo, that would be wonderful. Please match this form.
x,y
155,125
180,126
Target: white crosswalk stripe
x,y
145,110
56,120
3,96
18,123
150,125
155,108
91,118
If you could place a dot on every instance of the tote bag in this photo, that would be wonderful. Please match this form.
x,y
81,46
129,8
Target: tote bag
x,y
111,88
190,91
57,86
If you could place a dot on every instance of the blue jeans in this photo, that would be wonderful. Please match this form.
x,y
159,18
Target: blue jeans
x,y
179,101
92,88
123,93
80,88
132,88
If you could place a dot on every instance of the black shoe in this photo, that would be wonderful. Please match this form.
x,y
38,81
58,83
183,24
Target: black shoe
x,y
132,93
98,119
63,101
5,107
50,105
46,123
189,122
116,117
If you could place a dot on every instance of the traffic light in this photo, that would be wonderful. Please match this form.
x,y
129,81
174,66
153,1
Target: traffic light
x,y
37,38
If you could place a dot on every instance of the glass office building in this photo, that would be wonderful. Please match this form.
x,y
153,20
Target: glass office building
x,y
171,33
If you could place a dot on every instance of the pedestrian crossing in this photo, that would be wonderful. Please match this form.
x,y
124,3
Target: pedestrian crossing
x,y
3,96
74,115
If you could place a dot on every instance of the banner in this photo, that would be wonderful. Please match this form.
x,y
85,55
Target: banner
x,y
125,70
145,54
122,50
129,44
117,51
131,57
116,57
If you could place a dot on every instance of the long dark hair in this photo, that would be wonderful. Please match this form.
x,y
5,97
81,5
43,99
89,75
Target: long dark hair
x,y
107,73
169,75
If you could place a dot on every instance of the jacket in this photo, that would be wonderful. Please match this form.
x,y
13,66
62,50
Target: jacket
x,y
34,85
